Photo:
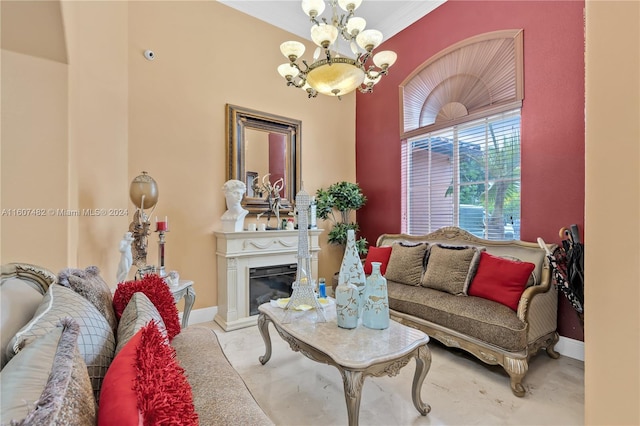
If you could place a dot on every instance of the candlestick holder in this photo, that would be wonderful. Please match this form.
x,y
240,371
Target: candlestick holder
x,y
161,240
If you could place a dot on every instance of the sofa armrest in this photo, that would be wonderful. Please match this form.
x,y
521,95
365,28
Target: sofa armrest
x,y
538,306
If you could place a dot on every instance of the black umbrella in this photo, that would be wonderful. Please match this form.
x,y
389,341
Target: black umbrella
x,y
567,263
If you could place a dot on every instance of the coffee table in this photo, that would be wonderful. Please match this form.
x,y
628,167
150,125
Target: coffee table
x,y
356,353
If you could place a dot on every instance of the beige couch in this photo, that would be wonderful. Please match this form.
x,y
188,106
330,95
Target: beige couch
x,y
493,332
220,397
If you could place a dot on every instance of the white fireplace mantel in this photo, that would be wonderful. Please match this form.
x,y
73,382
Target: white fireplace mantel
x,y
237,252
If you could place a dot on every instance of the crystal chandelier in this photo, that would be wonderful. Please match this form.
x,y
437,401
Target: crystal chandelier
x,y
331,73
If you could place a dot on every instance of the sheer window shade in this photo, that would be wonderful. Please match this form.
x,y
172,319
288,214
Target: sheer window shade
x,y
477,77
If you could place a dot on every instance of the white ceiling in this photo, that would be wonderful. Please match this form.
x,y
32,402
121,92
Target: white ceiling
x,y
387,16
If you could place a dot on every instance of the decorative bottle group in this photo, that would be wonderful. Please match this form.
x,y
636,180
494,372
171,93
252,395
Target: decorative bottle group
x,y
358,296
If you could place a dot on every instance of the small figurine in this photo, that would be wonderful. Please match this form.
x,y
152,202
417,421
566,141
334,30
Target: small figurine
x,y
126,258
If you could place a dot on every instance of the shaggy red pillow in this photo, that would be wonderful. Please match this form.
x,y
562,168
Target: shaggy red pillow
x,y
158,293
501,280
146,385
377,254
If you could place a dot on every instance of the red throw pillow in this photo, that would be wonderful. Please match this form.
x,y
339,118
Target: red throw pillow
x,y
156,289
501,280
377,254
146,385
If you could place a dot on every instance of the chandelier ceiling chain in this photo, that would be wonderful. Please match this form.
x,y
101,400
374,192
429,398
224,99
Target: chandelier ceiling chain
x,y
335,74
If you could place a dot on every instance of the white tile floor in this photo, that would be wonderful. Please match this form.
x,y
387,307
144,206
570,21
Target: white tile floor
x,y
294,390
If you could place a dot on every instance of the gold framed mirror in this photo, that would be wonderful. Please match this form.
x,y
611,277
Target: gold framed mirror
x,y
260,147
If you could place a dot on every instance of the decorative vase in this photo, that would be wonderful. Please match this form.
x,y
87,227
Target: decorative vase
x,y
347,304
351,270
375,303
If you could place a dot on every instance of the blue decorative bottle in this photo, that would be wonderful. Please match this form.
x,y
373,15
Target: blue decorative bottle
x,y
375,303
347,304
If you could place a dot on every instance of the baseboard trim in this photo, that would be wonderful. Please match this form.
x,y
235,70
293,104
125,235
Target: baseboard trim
x,y
571,348
201,315
565,346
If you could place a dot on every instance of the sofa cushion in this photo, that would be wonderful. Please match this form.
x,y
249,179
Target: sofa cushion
x,y
450,268
406,263
47,383
138,313
89,284
156,289
483,319
146,382
96,342
217,403
18,303
377,254
501,280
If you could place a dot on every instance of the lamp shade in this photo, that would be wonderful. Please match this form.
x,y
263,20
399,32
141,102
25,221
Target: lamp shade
x,y
324,34
385,59
288,71
369,39
292,49
143,191
336,79
355,25
349,5
313,7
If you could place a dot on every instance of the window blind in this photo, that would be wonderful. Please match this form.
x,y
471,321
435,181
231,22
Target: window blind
x,y
467,175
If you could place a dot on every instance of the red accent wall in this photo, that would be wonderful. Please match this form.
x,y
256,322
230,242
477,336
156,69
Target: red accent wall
x,y
553,130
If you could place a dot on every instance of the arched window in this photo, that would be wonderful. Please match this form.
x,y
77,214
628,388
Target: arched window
x,y
461,138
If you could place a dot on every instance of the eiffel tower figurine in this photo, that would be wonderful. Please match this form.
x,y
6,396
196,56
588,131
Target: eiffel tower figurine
x,y
303,297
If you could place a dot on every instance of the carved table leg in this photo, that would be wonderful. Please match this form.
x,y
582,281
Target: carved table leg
x,y
263,326
353,381
423,363
189,299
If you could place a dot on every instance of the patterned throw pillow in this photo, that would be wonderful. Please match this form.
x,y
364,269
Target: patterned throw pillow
x,y
47,383
450,269
89,284
406,263
145,382
156,289
138,313
96,342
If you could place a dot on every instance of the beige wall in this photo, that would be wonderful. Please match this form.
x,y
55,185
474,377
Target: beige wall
x,y
116,114
612,231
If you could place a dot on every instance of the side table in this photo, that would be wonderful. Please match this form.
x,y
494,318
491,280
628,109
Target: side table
x,y
184,289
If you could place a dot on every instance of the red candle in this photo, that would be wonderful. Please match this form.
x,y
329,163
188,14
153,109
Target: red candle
x,y
162,225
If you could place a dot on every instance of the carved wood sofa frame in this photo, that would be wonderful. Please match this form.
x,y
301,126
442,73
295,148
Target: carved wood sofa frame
x,y
537,307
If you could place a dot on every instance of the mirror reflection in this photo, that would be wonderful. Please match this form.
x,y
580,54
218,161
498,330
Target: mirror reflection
x,y
264,152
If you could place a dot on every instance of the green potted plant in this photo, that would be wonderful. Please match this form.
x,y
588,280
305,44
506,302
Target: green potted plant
x,y
342,198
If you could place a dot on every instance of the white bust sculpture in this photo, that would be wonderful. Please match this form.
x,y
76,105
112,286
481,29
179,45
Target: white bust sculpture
x,y
233,218
126,258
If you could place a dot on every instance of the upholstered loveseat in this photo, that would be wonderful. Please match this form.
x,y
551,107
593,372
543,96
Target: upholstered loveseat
x,y
67,359
493,299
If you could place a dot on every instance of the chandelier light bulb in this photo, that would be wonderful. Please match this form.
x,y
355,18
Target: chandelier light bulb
x,y
355,25
369,39
349,5
324,34
313,8
292,50
385,59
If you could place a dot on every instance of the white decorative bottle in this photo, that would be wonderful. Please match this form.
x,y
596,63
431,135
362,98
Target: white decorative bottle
x,y
347,304
375,303
351,270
